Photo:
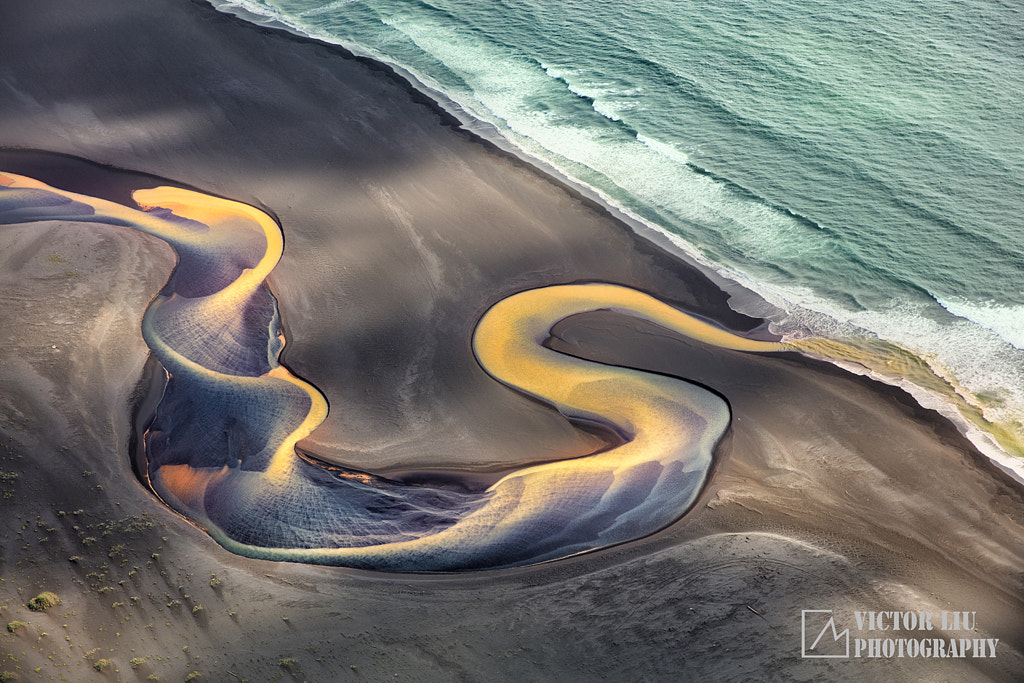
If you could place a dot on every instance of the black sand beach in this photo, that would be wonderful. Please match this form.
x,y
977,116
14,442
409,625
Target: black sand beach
x,y
831,492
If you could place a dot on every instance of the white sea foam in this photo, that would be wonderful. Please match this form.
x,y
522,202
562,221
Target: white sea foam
x,y
1006,321
978,364
606,97
257,12
329,8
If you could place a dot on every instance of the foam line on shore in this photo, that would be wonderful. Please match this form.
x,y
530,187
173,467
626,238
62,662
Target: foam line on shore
x,y
986,422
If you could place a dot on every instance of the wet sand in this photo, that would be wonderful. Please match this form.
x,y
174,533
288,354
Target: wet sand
x,y
830,492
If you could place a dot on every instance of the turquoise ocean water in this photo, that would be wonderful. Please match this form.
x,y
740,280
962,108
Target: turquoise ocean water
x,y
859,165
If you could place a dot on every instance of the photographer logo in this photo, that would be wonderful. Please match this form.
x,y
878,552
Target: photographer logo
x,y
891,634
819,627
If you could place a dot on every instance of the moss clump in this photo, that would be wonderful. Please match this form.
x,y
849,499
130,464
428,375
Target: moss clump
x,y
43,601
194,676
16,626
136,662
101,664
8,676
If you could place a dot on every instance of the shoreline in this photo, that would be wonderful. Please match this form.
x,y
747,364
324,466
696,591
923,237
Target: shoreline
x,y
452,114
483,133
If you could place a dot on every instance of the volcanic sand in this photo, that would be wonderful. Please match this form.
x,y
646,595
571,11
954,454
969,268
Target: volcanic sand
x,y
830,491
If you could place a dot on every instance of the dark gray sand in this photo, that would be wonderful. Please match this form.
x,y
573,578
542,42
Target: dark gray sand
x,y
831,493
